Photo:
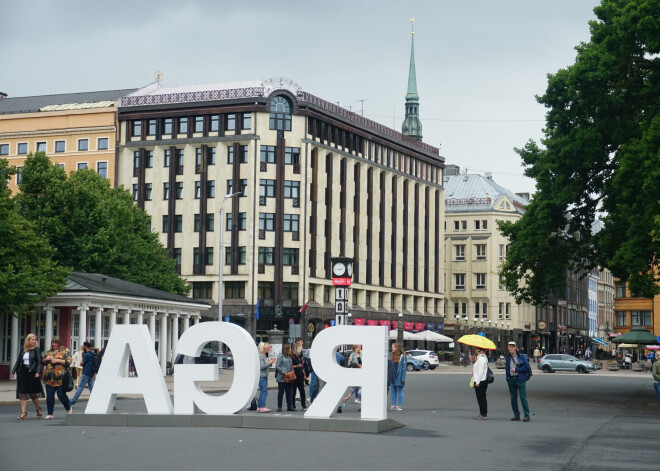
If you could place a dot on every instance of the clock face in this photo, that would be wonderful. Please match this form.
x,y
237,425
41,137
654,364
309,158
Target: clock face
x,y
338,269
349,269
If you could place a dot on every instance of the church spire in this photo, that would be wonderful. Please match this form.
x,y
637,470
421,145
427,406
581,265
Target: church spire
x,y
412,126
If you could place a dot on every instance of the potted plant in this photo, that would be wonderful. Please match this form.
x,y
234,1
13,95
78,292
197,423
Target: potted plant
x,y
613,365
598,364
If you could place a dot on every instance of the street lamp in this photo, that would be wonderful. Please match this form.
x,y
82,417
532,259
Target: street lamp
x,y
399,330
220,257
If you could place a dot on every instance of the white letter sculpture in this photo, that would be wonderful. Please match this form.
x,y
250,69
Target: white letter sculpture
x,y
187,393
371,377
110,380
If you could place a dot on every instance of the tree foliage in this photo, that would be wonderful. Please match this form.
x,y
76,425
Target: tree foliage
x,y
94,228
600,156
28,273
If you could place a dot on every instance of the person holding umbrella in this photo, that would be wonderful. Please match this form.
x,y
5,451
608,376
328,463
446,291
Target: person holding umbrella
x,y
479,371
517,373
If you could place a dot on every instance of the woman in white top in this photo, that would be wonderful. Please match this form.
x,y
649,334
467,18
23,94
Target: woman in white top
x,y
479,372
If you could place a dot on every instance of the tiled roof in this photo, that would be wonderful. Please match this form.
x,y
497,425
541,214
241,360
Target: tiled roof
x,y
473,192
32,104
98,283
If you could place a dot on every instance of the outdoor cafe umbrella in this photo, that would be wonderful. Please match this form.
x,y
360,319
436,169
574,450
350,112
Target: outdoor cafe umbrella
x,y
406,335
431,336
637,335
477,341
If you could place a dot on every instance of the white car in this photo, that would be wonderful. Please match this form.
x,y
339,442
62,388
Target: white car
x,y
428,358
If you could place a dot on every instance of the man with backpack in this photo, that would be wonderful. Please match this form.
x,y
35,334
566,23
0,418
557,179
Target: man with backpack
x,y
518,372
87,377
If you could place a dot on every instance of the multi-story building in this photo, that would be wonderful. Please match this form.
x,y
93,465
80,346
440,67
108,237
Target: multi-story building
x,y
605,306
474,248
315,181
76,130
634,312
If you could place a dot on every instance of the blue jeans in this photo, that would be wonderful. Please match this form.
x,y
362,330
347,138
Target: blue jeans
x,y
84,379
313,386
263,392
61,395
396,392
657,391
518,387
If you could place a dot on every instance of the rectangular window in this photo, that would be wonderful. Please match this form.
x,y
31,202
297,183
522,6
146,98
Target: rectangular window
x,y
621,318
136,160
208,260
500,282
202,289
247,121
291,189
198,189
166,223
507,312
459,279
481,251
167,126
41,147
179,190
199,123
178,223
183,126
177,257
231,122
291,155
291,222
640,318
22,148
147,191
460,252
136,130
102,169
620,290
179,159
290,291
60,146
457,225
241,255
476,308
266,255
195,256
166,190
236,290
135,191
149,159
501,311
289,256
267,154
166,158
102,143
4,149
265,290
210,222
19,173
267,188
480,280
210,189
484,309
82,165
267,221
502,253
215,123
196,223
242,154
463,225
198,159
210,156
151,127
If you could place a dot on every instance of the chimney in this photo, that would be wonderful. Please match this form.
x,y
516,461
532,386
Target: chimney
x,y
3,95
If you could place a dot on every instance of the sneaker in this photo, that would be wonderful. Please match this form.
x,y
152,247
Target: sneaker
x,y
515,419
526,419
358,401
392,407
398,408
263,410
480,417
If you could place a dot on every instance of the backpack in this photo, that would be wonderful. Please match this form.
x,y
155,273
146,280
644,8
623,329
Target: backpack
x,y
253,404
529,375
490,377
96,362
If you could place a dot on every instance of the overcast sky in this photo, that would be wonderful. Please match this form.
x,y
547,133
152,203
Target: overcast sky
x,y
479,62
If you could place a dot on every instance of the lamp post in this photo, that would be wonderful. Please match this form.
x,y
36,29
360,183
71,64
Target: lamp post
x,y
399,330
456,337
220,255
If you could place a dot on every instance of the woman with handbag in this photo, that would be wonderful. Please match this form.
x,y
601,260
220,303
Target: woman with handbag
x,y
57,363
264,363
298,363
28,369
479,372
396,375
284,376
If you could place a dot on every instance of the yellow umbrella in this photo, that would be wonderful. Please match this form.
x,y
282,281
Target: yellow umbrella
x,y
477,341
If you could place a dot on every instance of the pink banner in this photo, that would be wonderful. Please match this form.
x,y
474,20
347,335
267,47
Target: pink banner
x,y
357,321
419,326
385,323
372,322
408,325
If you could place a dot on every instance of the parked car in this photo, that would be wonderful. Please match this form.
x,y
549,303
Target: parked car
x,y
428,358
413,364
207,356
556,362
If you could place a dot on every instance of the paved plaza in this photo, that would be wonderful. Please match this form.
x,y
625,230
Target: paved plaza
x,y
598,421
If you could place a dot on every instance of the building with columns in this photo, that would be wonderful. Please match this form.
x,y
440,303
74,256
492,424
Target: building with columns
x,y
90,306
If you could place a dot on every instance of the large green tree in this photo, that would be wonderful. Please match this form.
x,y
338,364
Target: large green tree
x,y
94,228
28,273
599,159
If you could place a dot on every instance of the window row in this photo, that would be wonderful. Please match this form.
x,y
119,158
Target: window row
x,y
187,126
637,318
479,251
101,169
459,281
462,225
22,148
481,308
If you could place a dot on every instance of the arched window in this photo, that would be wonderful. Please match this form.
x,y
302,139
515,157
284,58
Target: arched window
x,y
280,114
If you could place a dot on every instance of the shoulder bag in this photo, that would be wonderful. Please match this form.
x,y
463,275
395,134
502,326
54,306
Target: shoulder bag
x,y
289,376
67,381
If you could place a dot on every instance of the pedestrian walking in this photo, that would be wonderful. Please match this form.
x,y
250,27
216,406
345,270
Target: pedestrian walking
x,y
87,377
264,365
28,369
354,361
517,373
57,361
76,364
479,372
283,365
655,370
396,375
537,354
298,363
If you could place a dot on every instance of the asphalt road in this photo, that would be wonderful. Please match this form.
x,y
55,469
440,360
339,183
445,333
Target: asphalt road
x,y
579,422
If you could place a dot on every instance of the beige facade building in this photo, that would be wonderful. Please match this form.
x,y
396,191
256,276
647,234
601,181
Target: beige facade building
x,y
476,300
605,303
315,180
76,130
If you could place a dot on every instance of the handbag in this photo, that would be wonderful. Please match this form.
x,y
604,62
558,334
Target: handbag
x,y
289,376
67,381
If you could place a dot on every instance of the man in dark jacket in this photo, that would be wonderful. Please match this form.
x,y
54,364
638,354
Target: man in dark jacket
x,y
87,377
517,373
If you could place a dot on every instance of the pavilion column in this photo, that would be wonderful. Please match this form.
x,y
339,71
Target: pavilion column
x,y
152,326
175,335
127,317
82,325
140,317
49,328
98,327
186,322
13,355
162,343
197,316
113,319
